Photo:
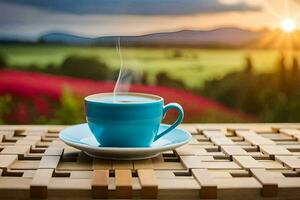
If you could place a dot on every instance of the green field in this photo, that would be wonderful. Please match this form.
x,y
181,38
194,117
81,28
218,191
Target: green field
x,y
193,66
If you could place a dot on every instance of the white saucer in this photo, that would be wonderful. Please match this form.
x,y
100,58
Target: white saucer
x,y
80,137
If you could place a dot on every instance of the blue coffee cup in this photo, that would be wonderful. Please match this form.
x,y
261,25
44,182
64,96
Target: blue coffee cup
x,y
128,119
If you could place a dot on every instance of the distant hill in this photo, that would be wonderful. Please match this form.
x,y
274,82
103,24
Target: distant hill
x,y
215,37
65,38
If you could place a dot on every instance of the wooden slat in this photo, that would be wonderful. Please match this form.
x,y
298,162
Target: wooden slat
x,y
194,162
212,133
188,151
221,141
6,134
191,162
159,163
254,138
49,162
244,133
54,151
193,141
190,127
272,165
247,162
219,165
274,150
290,161
278,137
7,160
270,186
208,185
28,174
148,182
122,164
290,131
101,164
29,140
261,128
100,181
78,174
20,150
143,164
259,140
238,184
39,184
123,181
234,151
25,165
36,132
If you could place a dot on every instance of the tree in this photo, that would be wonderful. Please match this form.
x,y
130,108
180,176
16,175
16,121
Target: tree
x,y
295,67
163,79
5,107
282,74
249,65
70,110
3,63
84,68
294,76
177,53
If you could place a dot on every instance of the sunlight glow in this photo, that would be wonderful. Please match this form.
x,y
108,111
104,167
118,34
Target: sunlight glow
x,y
288,25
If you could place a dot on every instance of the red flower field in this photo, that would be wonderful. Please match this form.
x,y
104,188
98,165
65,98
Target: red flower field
x,y
43,89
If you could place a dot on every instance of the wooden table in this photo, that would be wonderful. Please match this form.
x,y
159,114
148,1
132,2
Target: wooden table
x,y
224,161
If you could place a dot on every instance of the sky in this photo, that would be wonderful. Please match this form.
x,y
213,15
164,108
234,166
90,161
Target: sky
x,y
32,18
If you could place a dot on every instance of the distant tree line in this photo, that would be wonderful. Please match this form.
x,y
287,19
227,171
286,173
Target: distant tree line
x,y
76,66
273,97
94,69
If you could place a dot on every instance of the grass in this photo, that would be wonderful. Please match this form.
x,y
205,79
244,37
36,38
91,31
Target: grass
x,y
192,66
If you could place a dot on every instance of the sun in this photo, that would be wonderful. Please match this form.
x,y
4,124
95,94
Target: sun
x,y
288,25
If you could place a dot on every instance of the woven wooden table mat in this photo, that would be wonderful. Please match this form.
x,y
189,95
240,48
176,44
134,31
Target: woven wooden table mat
x,y
224,161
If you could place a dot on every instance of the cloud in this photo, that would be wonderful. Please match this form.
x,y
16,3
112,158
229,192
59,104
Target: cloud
x,y
137,7
29,21
32,21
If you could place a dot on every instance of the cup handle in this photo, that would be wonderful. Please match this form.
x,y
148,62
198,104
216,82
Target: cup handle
x,y
179,119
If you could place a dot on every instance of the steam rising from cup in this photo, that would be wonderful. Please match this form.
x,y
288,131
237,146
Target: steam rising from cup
x,y
124,77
